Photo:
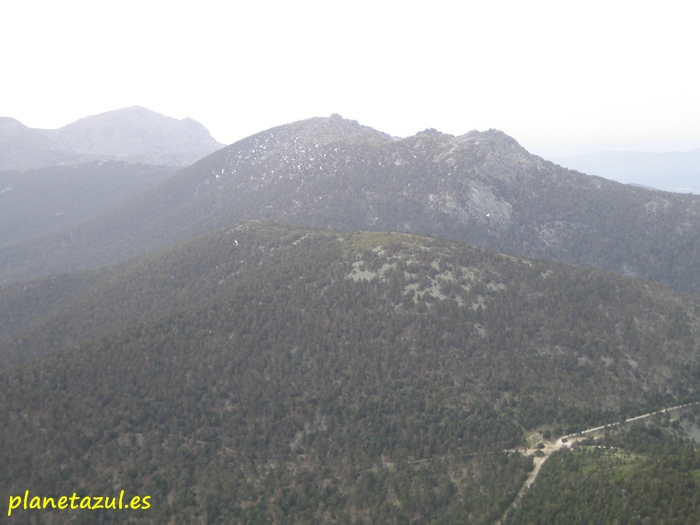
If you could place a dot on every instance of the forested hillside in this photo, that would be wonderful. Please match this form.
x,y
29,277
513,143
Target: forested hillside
x,y
482,188
264,373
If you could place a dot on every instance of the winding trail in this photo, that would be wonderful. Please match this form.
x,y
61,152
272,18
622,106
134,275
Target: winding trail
x,y
566,442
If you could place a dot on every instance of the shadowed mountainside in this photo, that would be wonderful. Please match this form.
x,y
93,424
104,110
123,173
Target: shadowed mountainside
x,y
46,201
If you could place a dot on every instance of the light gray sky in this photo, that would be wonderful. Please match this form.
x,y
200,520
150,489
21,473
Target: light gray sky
x,y
561,77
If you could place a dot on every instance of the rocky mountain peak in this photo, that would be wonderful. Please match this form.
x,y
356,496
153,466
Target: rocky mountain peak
x,y
300,141
140,134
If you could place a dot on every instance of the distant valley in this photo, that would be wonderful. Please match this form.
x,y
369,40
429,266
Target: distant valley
x,y
672,171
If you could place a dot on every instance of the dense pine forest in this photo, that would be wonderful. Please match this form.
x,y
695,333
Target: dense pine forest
x,y
270,374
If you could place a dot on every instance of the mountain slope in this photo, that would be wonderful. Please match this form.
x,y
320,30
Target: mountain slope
x,y
483,188
309,376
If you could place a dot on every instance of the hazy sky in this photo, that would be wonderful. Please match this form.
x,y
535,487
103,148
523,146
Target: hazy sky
x,y
561,77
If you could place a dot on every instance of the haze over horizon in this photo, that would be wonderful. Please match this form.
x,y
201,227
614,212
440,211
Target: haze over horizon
x,y
561,79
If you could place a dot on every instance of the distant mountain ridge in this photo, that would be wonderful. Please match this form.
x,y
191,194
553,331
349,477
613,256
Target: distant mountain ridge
x,y
482,188
134,134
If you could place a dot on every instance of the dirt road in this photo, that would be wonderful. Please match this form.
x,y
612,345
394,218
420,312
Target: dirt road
x,y
566,442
